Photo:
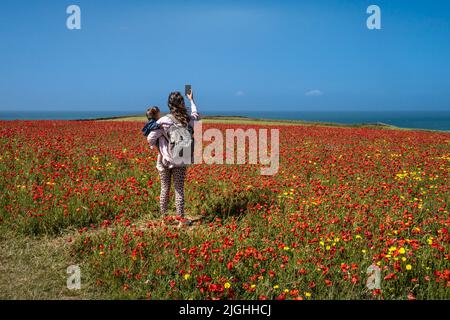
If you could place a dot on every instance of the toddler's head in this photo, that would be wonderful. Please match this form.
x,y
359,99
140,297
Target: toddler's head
x,y
153,113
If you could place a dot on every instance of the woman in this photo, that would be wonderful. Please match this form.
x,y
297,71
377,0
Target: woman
x,y
165,166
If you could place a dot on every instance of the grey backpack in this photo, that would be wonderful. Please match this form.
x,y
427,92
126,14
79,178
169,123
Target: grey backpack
x,y
181,142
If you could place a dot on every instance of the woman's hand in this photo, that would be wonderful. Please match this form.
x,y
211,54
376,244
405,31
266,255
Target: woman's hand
x,y
190,96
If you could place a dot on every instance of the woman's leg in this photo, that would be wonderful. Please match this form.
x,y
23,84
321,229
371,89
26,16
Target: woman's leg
x,y
179,173
165,177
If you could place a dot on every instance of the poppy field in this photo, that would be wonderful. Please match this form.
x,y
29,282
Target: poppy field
x,y
344,199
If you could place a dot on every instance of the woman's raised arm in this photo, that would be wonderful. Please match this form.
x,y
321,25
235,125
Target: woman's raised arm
x,y
194,113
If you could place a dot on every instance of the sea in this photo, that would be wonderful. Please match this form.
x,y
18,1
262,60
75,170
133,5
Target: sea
x,y
431,120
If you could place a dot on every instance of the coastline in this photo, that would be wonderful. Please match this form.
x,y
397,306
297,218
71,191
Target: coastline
x,y
240,119
265,121
258,121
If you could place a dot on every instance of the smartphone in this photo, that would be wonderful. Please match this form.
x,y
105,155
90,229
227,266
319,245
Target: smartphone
x,y
187,89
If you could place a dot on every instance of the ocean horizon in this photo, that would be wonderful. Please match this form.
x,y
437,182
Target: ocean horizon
x,y
431,120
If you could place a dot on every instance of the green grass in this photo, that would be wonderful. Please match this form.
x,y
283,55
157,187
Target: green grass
x,y
34,268
257,121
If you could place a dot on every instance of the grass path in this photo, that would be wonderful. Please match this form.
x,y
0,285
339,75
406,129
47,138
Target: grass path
x,y
34,268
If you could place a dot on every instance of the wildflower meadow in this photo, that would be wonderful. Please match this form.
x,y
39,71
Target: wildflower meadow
x,y
343,199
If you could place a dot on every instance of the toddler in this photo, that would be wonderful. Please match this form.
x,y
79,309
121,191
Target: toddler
x,y
153,115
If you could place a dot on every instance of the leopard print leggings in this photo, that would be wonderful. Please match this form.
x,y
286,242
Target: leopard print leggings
x,y
178,173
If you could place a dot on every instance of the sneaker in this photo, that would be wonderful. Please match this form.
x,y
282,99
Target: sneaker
x,y
187,222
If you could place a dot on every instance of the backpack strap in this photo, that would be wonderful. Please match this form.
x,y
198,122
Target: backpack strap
x,y
175,122
165,135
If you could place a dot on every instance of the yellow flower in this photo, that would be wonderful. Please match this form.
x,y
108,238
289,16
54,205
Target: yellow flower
x,y
391,249
401,250
187,276
253,286
286,248
430,241
307,294
276,286
401,175
227,285
363,250
285,290
408,267
357,236
403,259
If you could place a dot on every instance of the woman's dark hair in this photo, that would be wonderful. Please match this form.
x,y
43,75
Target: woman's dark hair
x,y
178,108
152,112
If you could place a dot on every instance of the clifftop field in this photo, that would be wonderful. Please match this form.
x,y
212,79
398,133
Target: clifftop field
x,y
86,193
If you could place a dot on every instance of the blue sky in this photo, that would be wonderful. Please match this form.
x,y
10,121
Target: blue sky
x,y
238,55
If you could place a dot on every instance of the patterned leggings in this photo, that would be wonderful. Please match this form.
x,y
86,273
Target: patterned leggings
x,y
178,173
